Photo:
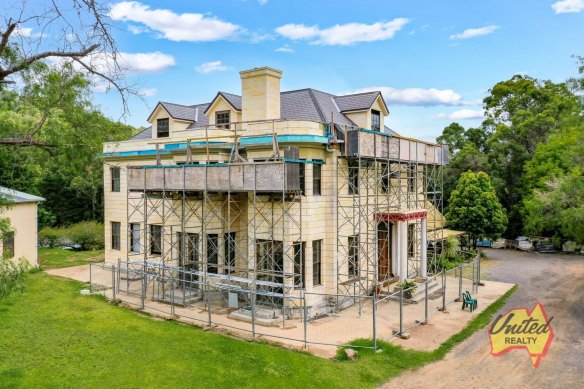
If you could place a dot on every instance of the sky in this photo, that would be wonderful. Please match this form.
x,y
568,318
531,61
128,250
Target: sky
x,y
433,60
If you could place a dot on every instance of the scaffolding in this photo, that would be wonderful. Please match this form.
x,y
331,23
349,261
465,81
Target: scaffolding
x,y
230,234
376,176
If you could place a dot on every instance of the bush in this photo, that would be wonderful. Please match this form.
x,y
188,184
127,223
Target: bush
x,y
451,247
12,276
409,288
84,236
52,237
88,235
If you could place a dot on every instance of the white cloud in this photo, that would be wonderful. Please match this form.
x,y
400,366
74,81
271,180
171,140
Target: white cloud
x,y
343,34
417,96
192,27
146,62
26,32
285,49
568,6
148,92
134,29
463,114
474,32
210,67
263,2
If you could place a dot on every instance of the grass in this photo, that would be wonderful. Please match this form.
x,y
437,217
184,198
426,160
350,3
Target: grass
x,y
51,336
56,257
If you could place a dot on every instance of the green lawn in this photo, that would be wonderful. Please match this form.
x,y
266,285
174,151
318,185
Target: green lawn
x,y
51,336
53,258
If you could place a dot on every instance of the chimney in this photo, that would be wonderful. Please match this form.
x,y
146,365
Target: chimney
x,y
260,92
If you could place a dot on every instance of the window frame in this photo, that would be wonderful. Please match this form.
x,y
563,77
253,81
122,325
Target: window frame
x,y
302,177
222,123
377,114
299,265
317,262
155,239
317,178
116,235
8,244
212,241
135,238
353,254
163,134
229,250
353,177
116,173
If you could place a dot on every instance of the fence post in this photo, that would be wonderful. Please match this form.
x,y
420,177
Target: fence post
x,y
144,285
443,290
253,307
460,283
426,302
118,275
401,311
209,302
113,282
478,270
90,279
171,294
475,287
305,321
374,327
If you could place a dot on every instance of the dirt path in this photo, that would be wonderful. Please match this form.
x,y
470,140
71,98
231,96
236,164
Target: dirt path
x,y
556,281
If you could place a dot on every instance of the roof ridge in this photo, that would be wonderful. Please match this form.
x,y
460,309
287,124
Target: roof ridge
x,y
318,109
360,93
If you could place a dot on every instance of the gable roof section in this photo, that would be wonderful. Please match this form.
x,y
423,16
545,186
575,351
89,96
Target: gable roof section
x,y
233,100
359,101
19,197
145,134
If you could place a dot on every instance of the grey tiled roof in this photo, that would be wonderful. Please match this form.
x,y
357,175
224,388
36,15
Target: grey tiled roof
x,y
19,197
146,134
302,104
356,102
234,100
177,111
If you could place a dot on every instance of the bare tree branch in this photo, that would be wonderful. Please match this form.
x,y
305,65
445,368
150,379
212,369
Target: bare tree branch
x,y
28,61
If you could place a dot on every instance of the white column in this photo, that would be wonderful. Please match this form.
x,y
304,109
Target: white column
x,y
394,249
424,249
403,250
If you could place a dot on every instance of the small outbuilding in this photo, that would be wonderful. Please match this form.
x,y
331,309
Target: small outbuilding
x,y
21,242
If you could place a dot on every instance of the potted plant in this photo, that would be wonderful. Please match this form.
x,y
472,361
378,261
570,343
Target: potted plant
x,y
409,288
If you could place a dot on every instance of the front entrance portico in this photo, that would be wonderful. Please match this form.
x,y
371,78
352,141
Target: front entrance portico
x,y
401,220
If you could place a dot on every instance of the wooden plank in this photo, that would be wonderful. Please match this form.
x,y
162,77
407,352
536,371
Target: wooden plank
x,y
394,148
421,151
404,149
135,178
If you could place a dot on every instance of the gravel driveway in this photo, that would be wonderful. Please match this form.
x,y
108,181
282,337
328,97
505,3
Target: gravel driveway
x,y
556,281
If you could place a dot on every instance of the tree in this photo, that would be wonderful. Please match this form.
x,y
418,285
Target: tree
x,y
69,174
521,114
76,33
453,137
475,208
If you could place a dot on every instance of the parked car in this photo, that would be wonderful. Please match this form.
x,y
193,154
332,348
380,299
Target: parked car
x,y
484,243
498,244
524,243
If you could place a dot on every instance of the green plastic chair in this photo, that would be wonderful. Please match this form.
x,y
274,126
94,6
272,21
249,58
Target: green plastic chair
x,y
468,301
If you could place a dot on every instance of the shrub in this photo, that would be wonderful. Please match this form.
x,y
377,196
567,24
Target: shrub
x,y
52,237
88,235
451,247
409,288
12,276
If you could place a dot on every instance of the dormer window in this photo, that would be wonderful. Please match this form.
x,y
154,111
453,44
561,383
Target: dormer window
x,y
162,128
222,119
375,120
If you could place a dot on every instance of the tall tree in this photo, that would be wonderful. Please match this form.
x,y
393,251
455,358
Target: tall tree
x,y
521,113
76,32
475,208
